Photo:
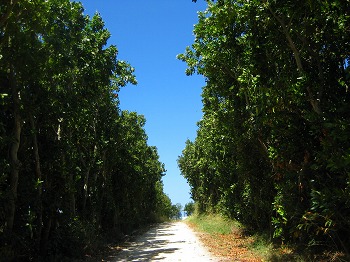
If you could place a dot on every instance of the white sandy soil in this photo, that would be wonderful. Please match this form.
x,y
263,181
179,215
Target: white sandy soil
x,y
166,242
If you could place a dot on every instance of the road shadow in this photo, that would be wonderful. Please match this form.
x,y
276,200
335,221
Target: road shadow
x,y
150,245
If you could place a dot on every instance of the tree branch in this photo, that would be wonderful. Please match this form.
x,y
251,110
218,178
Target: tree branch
x,y
313,101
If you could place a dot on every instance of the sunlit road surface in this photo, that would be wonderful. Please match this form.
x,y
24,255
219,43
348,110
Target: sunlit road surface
x,y
166,242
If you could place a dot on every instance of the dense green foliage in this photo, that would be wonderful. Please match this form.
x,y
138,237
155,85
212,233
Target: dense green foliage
x,y
273,149
72,165
176,211
189,208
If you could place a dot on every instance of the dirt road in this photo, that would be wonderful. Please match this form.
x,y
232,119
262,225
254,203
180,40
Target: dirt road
x,y
166,242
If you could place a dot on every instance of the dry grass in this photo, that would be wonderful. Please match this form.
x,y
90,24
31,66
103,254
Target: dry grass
x,y
224,238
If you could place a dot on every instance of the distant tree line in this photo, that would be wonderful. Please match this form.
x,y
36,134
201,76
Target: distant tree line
x,y
273,147
73,166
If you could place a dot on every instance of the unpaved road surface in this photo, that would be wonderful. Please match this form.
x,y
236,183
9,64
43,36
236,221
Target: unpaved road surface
x,y
166,242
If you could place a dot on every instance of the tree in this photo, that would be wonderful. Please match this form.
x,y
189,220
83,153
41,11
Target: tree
x,y
176,211
274,123
189,208
73,166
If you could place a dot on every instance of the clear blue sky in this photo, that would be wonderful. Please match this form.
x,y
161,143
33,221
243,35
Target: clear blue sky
x,y
149,35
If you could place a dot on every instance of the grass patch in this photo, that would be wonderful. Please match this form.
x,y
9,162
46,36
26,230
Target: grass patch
x,y
229,239
224,237
214,224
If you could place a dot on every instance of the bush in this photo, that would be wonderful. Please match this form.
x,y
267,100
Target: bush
x,y
73,239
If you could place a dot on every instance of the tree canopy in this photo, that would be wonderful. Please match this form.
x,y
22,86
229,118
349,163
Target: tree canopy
x,y
73,166
272,149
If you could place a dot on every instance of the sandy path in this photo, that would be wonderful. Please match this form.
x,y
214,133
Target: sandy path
x,y
166,242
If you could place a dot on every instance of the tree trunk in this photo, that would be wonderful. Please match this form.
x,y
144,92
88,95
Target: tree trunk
x,y
72,201
69,183
15,163
314,101
38,176
85,189
45,235
47,213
